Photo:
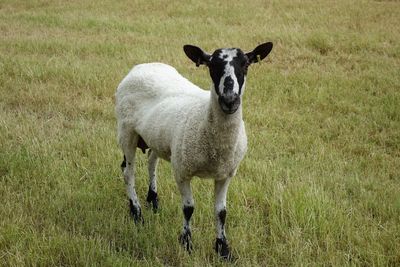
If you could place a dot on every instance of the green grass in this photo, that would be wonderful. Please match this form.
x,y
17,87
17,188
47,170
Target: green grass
x,y
320,184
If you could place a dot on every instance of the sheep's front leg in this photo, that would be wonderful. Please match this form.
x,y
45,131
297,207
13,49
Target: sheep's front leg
x,y
221,244
152,197
188,207
128,143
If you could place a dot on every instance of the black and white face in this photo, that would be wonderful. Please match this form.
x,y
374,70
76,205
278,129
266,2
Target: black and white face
x,y
228,70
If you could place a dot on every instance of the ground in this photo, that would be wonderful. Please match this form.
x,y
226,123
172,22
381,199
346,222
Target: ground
x,y
320,184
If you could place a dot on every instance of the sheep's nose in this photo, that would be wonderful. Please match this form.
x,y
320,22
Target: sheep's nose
x,y
229,99
229,103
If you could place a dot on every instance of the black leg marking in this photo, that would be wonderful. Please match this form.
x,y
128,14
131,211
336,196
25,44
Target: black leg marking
x,y
153,199
222,248
221,244
136,213
186,237
188,211
222,216
186,240
123,164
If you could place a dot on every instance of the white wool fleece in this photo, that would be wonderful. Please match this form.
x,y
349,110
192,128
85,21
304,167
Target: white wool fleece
x,y
180,122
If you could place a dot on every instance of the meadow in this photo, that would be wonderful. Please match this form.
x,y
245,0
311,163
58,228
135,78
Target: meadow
x,y
319,186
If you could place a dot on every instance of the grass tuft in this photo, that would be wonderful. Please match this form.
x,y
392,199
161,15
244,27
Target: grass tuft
x,y
320,184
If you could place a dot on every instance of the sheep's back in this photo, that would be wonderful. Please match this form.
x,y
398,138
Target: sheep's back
x,y
153,80
156,99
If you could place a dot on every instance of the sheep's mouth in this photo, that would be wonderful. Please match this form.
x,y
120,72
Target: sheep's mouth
x,y
229,107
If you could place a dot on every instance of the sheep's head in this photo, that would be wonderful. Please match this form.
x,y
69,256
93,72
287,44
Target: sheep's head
x,y
228,69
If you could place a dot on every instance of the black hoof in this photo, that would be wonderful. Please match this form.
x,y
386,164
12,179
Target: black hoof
x,y
136,213
222,248
152,199
186,241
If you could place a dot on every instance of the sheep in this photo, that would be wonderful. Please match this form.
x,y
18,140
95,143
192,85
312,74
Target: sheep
x,y
200,132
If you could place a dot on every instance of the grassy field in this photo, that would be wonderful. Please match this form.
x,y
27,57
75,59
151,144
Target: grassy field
x,y
320,184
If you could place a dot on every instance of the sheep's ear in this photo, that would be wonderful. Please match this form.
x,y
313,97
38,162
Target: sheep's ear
x,y
197,55
259,53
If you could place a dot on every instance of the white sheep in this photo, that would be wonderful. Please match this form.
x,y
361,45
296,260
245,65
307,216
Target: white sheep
x,y
200,132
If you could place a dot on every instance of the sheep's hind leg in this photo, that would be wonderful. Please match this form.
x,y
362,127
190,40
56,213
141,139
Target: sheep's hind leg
x,y
152,197
128,143
188,207
221,243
